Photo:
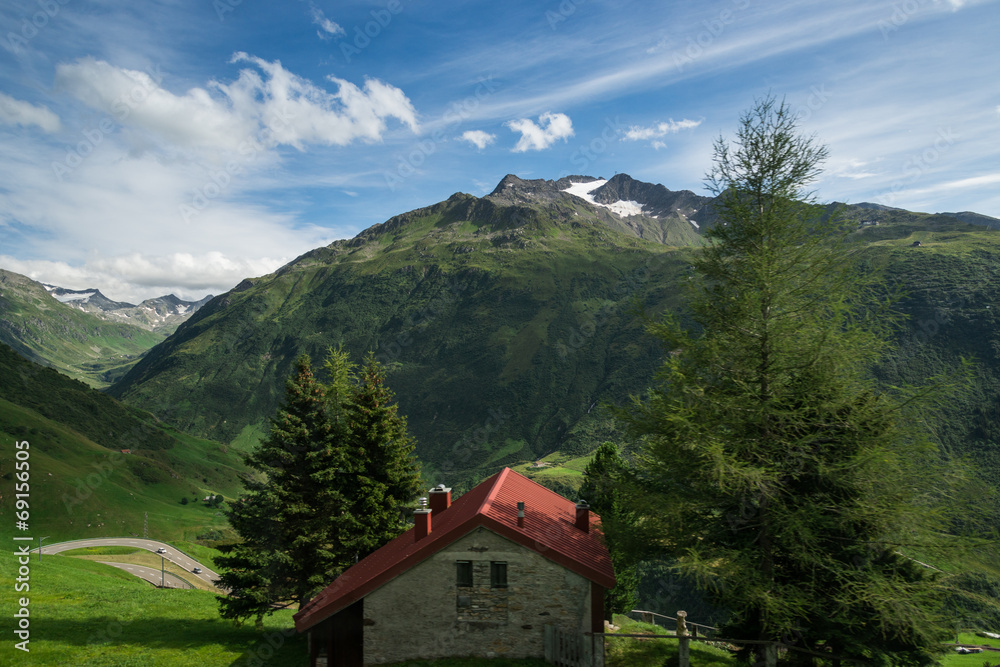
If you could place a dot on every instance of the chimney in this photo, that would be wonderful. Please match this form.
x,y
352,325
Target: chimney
x,y
520,514
583,516
421,521
440,498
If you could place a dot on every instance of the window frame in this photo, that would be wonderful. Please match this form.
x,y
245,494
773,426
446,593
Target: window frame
x,y
463,567
498,574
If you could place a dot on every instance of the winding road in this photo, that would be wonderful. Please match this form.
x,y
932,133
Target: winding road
x,y
171,553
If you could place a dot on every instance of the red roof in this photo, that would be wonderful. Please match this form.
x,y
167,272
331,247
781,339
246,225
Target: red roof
x,y
549,530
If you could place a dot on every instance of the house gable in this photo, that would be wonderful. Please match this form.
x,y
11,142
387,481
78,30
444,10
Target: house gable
x,y
548,529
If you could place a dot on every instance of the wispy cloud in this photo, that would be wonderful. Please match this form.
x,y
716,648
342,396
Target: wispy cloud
x,y
958,184
478,138
659,130
25,114
551,128
327,28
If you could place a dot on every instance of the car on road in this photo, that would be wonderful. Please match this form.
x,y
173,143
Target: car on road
x,y
197,570
161,550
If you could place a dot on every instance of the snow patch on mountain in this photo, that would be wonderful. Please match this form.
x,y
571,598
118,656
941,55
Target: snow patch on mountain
x,y
583,190
621,208
74,296
624,208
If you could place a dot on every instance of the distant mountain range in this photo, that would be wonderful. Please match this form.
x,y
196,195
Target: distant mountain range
x,y
506,320
81,332
162,314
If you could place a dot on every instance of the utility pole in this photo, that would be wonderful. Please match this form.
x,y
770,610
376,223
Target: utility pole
x,y
161,571
40,545
145,525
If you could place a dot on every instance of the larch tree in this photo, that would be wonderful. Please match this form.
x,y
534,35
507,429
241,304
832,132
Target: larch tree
x,y
773,470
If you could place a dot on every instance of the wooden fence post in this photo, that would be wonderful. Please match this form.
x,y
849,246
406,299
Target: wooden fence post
x,y
683,642
770,655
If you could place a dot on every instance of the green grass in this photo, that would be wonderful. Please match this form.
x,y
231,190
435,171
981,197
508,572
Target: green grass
x,y
80,489
85,613
82,485
636,652
563,469
472,662
101,551
952,659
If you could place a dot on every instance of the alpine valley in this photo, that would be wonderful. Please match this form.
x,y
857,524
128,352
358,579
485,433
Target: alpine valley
x,y
83,333
507,321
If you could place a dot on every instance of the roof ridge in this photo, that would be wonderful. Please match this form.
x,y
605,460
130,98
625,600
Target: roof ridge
x,y
497,485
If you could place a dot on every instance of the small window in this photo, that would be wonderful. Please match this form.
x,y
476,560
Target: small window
x,y
498,574
463,572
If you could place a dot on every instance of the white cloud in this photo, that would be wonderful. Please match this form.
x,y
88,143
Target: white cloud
x,y
136,276
121,214
638,133
959,184
478,138
327,27
135,99
659,46
551,128
276,108
18,112
852,169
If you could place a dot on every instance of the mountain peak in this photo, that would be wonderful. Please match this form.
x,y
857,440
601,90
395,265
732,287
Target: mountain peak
x,y
91,296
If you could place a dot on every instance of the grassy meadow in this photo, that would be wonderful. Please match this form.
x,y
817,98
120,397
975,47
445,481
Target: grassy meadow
x,y
87,614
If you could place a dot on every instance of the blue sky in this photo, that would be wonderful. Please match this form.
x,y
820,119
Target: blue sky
x,y
180,146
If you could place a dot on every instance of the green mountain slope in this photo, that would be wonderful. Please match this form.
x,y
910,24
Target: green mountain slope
x,y
503,325
507,319
51,333
81,483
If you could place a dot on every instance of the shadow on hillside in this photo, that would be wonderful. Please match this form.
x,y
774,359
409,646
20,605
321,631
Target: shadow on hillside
x,y
273,646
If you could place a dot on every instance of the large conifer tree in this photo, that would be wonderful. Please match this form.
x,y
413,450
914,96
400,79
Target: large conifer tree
x,y
773,471
386,475
328,490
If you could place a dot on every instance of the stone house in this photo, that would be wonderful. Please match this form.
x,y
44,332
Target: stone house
x,y
478,578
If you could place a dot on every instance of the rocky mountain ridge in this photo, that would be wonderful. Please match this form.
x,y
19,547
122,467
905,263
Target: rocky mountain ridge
x,y
161,314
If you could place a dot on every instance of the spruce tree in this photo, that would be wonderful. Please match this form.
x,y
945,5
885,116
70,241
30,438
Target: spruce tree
x,y
773,470
382,462
331,481
292,512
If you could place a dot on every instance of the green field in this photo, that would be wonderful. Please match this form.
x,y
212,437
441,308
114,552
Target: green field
x,y
83,484
952,659
84,613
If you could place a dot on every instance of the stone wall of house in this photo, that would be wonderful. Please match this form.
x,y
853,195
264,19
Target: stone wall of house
x,y
424,614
